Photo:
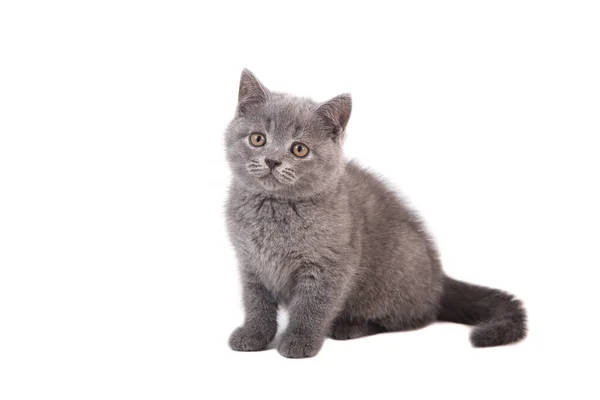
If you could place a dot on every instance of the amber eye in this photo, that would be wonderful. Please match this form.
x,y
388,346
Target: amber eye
x,y
300,150
258,139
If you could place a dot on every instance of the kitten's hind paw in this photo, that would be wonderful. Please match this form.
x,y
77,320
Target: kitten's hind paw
x,y
242,339
343,330
297,346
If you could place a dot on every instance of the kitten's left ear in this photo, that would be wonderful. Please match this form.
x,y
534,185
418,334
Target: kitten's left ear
x,y
336,113
251,92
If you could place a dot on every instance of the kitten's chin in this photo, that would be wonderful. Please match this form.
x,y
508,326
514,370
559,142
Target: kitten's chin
x,y
270,182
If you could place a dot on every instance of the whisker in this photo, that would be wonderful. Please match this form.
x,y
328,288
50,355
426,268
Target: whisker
x,y
286,178
288,174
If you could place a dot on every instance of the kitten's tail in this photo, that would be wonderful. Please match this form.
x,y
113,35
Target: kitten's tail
x,y
499,317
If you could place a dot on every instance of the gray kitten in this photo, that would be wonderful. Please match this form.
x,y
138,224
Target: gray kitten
x,y
329,241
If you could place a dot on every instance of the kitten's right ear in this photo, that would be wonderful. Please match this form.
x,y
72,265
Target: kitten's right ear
x,y
251,92
336,113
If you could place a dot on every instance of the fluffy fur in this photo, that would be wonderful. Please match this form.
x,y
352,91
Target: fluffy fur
x,y
329,241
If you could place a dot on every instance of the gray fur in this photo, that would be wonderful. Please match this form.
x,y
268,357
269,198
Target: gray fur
x,y
330,241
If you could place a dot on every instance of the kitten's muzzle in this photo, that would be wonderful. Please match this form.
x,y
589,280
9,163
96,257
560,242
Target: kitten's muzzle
x,y
272,163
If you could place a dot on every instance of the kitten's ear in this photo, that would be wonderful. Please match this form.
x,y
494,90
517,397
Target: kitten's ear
x,y
336,113
251,92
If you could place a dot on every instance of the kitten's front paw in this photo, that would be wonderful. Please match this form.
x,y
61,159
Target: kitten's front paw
x,y
298,346
242,339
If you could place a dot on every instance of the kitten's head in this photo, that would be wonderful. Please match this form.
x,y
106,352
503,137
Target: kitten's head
x,y
286,146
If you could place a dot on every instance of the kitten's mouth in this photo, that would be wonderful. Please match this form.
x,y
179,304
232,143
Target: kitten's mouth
x,y
275,179
270,177
271,180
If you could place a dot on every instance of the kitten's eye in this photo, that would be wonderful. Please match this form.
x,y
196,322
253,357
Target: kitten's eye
x,y
299,150
258,139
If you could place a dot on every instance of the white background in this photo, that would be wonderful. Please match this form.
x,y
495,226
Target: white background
x,y
117,280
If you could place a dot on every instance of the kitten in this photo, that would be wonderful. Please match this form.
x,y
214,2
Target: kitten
x,y
329,241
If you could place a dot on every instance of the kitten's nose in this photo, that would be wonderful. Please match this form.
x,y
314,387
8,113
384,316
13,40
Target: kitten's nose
x,y
272,163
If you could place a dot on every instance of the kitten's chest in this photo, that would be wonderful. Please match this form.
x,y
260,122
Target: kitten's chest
x,y
271,228
274,238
